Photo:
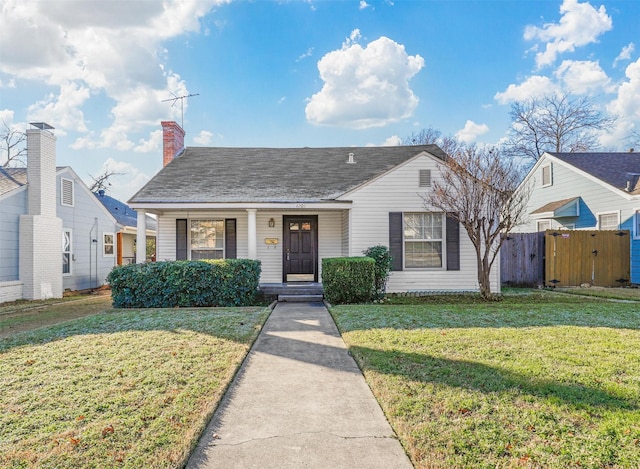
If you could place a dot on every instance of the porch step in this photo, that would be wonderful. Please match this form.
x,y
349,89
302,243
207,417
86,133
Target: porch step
x,y
300,298
287,289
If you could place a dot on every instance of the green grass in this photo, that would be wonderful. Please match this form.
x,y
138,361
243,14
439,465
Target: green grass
x,y
130,388
527,381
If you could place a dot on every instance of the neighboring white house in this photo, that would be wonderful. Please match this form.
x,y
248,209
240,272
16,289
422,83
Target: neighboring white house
x,y
292,207
127,219
597,191
54,234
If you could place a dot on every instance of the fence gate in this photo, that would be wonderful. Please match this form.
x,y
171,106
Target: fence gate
x,y
599,258
522,259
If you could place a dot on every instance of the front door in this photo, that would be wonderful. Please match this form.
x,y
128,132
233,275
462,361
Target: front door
x,y
300,249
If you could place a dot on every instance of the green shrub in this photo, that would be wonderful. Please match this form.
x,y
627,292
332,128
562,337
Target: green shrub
x,y
382,257
348,279
224,282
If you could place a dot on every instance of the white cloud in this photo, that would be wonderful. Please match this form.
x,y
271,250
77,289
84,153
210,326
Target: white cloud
x,y
203,138
471,131
114,52
580,24
532,87
580,77
392,141
364,5
625,53
308,53
627,104
62,111
365,86
127,182
152,144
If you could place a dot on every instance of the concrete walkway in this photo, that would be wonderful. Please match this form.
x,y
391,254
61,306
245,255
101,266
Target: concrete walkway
x,y
299,401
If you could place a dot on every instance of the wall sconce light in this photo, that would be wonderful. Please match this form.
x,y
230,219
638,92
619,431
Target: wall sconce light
x,y
272,223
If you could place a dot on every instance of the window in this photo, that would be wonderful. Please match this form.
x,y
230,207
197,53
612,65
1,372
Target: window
x,y
544,225
207,239
424,179
547,175
608,221
423,239
66,252
66,192
108,244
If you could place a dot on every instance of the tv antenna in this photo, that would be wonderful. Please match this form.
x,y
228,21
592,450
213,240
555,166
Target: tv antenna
x,y
181,98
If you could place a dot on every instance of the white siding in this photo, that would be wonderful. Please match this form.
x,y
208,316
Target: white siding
x,y
11,207
87,220
399,191
330,240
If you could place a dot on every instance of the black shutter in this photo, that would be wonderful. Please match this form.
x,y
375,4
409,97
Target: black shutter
x,y
453,243
230,240
395,240
181,239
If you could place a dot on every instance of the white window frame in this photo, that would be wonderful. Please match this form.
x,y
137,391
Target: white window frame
x,y
69,252
542,168
636,223
544,220
442,241
612,212
73,192
105,244
190,246
569,226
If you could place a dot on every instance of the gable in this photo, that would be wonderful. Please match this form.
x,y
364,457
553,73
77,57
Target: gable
x,y
206,175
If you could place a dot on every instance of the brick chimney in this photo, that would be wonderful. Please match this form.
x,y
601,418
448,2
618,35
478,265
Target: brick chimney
x,y
172,141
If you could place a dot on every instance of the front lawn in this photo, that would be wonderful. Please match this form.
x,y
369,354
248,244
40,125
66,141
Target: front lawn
x,y
123,388
538,380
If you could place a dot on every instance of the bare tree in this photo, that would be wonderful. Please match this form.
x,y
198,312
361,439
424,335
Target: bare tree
x,y
429,135
12,144
555,123
101,182
477,187
634,141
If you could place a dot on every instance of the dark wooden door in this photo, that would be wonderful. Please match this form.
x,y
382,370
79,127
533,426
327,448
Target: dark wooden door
x,y
300,248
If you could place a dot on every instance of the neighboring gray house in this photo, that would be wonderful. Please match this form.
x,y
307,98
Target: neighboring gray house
x,y
598,191
292,207
127,219
54,234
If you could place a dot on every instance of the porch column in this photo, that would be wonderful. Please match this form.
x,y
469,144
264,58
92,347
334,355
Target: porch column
x,y
252,247
141,237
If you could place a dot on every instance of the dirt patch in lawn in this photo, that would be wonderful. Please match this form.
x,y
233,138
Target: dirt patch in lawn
x,y
23,316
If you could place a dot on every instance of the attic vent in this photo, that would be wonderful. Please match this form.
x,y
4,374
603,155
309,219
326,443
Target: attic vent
x,y
66,192
425,178
351,160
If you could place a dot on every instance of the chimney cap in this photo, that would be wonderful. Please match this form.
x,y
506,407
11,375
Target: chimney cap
x,y
41,125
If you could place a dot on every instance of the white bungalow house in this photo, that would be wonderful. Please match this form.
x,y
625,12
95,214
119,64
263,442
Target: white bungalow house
x,y
54,234
292,207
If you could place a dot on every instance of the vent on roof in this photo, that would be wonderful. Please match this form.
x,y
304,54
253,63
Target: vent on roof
x,y
351,160
66,192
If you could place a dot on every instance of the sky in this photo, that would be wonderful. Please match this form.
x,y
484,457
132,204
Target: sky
x,y
300,73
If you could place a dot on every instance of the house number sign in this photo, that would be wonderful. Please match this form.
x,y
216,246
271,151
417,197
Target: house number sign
x,y
271,241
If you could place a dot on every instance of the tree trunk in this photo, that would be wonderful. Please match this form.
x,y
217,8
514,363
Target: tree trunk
x,y
484,279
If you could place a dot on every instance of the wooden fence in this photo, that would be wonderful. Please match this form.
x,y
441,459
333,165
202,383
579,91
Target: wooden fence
x,y
566,258
522,259
595,257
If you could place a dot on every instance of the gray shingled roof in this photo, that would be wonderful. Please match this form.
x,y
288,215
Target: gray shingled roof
x,y
123,214
615,169
12,178
201,175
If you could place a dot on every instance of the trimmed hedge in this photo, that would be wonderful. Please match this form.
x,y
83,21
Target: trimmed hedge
x,y
224,282
348,279
382,256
